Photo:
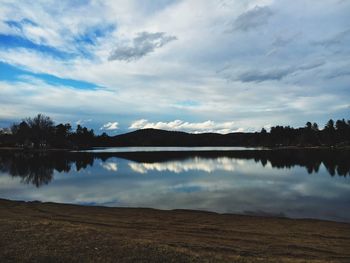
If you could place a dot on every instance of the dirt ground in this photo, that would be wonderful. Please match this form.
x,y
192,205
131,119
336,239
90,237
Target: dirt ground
x,y
49,232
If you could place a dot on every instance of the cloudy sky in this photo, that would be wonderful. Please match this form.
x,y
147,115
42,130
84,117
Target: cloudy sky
x,y
191,65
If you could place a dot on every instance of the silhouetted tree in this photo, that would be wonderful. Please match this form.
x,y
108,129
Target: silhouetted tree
x,y
41,129
308,125
330,125
21,132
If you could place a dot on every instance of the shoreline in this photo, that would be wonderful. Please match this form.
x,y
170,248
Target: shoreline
x,y
41,232
258,148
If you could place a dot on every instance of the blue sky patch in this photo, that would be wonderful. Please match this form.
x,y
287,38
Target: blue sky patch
x,y
18,24
12,73
95,33
188,103
10,41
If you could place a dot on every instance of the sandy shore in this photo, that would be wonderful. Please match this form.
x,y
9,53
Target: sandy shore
x,y
48,232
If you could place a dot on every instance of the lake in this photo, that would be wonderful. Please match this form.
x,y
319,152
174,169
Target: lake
x,y
311,183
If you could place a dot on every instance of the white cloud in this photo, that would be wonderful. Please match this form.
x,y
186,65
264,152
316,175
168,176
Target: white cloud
x,y
110,166
298,33
110,126
53,24
193,127
5,131
29,96
82,122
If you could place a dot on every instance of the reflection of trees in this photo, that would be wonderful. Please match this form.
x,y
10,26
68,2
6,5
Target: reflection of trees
x,y
32,168
336,161
38,167
83,160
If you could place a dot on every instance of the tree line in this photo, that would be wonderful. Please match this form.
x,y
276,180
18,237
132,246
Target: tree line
x,y
41,132
334,133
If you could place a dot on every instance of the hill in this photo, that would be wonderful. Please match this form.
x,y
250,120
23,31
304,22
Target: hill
x,y
155,137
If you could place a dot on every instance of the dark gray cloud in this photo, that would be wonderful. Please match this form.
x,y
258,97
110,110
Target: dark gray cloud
x,y
338,39
275,74
143,44
338,73
253,18
260,76
284,40
281,41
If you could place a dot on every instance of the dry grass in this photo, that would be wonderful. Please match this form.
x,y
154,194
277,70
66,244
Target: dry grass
x,y
47,232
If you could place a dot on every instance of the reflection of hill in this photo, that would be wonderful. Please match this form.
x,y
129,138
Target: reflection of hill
x,y
38,167
336,161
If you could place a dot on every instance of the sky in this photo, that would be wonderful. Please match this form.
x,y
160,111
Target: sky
x,y
190,65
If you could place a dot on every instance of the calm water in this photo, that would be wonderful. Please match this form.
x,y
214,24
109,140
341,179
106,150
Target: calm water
x,y
166,149
291,183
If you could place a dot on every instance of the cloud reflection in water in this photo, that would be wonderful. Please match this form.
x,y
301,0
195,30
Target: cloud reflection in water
x,y
192,164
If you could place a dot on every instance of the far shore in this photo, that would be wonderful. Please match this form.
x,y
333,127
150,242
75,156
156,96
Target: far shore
x,y
258,148
51,232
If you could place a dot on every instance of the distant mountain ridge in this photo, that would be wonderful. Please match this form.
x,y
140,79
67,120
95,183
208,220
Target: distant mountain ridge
x,y
156,137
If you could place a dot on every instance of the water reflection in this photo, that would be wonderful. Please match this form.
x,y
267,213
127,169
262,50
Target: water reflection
x,y
38,167
110,166
191,164
252,182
